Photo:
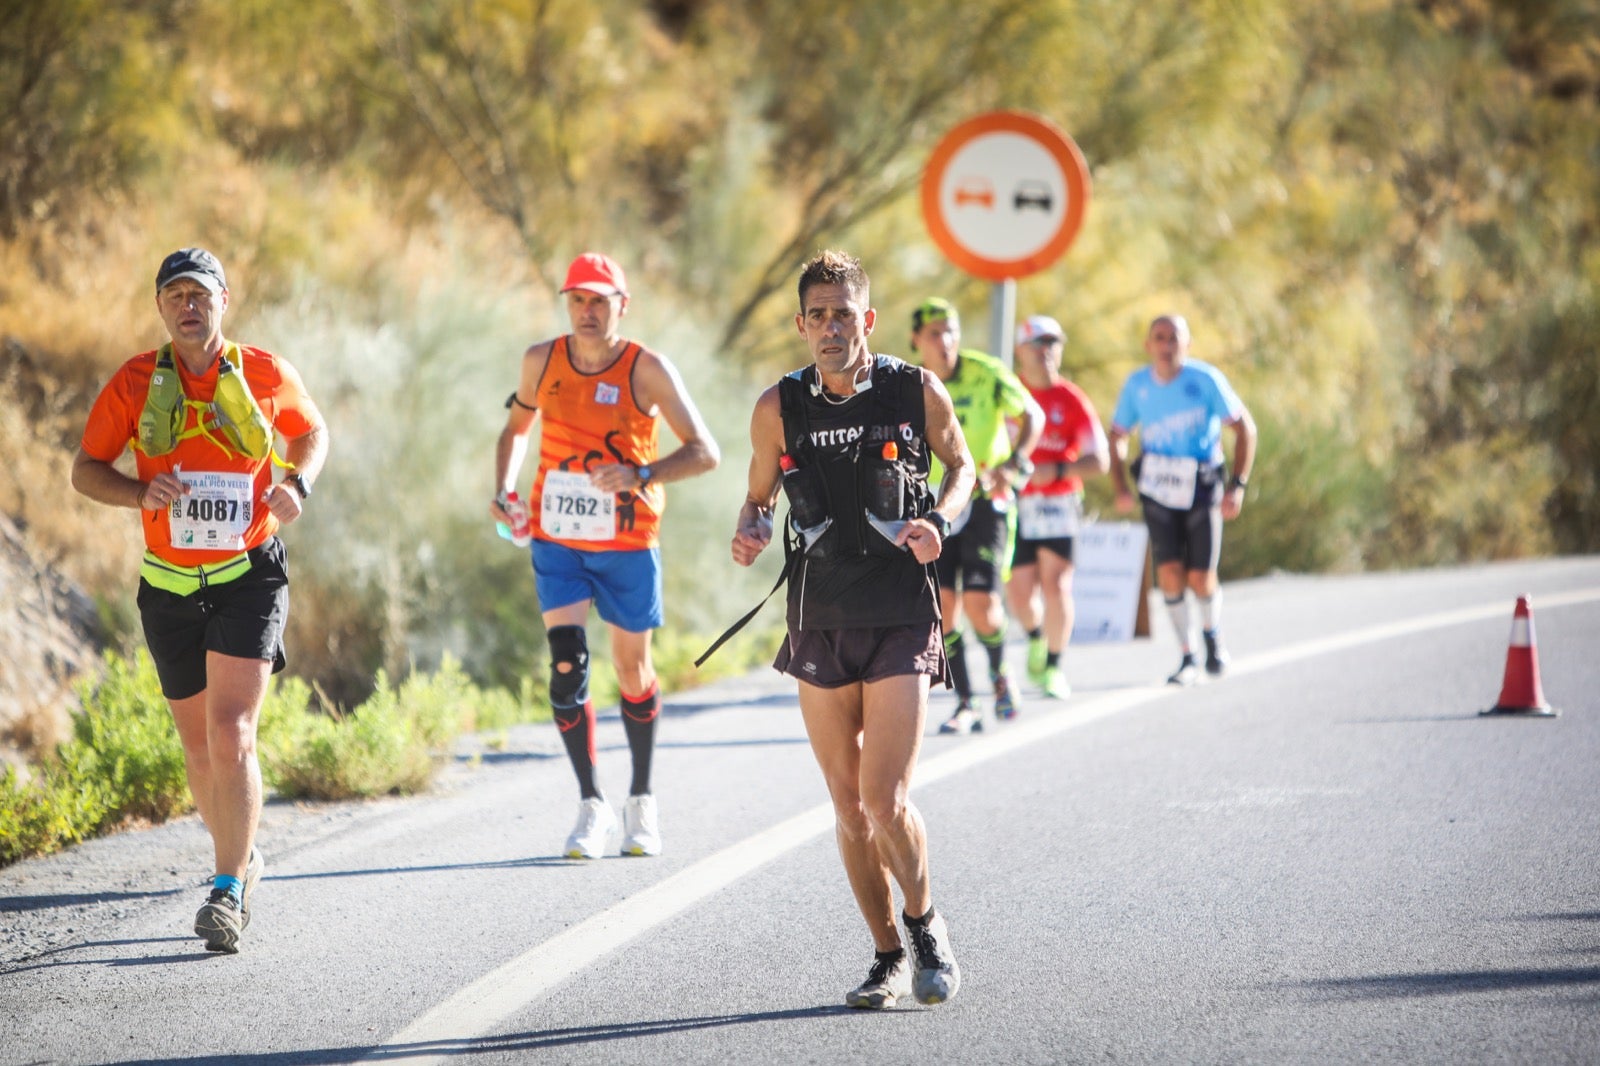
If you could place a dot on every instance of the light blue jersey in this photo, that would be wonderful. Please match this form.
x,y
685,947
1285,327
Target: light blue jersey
x,y
1182,418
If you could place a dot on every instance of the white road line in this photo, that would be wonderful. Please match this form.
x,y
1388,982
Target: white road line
x,y
479,1007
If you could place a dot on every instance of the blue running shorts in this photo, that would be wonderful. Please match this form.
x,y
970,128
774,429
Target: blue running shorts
x,y
624,585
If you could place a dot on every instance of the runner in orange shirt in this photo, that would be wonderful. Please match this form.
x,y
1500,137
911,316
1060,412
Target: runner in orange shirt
x,y
201,413
596,506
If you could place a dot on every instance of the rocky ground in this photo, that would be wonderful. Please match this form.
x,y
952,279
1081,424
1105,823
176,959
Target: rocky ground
x,y
49,636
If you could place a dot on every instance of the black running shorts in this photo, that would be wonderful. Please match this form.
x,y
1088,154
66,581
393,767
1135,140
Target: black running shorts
x,y
978,558
1027,551
243,618
1192,537
833,658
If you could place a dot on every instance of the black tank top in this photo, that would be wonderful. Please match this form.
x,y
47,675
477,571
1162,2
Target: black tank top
x,y
854,577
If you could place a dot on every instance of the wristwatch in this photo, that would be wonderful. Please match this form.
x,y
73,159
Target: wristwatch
x,y
1237,482
301,485
645,474
938,522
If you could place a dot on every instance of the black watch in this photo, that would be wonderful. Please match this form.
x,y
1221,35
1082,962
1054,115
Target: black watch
x,y
645,474
1237,482
938,522
301,485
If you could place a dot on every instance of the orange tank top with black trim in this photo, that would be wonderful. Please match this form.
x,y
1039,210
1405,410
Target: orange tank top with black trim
x,y
588,420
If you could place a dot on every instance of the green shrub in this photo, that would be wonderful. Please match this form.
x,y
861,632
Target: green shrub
x,y
392,743
58,805
124,738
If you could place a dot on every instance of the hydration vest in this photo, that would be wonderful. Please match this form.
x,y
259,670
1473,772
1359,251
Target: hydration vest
x,y
852,574
233,412
844,454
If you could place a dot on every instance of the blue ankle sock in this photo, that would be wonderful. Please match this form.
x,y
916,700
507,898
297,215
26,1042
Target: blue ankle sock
x,y
232,885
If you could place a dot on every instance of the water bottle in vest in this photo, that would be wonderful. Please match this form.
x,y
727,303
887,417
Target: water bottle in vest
x,y
806,508
885,492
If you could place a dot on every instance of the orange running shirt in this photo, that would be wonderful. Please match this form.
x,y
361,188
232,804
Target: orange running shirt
x,y
590,420
114,425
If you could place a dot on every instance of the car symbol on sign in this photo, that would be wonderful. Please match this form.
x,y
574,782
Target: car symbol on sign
x,y
1032,194
974,190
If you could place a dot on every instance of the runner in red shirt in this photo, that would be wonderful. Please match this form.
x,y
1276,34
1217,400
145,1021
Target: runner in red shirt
x,y
1050,508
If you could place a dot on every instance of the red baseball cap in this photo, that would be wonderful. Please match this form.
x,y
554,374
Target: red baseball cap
x,y
596,273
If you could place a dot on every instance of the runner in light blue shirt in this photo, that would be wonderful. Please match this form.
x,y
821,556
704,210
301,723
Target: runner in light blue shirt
x,y
1179,407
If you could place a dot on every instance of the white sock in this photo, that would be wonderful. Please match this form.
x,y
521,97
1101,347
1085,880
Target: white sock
x,y
1210,610
1179,610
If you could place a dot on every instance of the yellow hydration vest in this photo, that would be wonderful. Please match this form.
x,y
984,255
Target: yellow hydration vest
x,y
232,412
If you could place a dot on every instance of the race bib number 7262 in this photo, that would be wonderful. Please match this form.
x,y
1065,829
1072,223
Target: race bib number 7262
x,y
571,508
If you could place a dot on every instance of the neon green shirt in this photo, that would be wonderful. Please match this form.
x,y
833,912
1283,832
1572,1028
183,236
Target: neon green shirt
x,y
985,393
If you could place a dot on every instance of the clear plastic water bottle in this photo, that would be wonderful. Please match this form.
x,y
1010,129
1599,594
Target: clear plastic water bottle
x,y
806,508
885,494
520,531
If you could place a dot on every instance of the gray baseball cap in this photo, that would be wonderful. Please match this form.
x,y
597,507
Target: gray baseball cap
x,y
196,263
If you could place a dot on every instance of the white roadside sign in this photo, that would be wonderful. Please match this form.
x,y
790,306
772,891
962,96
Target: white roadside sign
x,y
1108,576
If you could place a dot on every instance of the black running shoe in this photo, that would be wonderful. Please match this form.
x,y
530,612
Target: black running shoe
x,y
888,982
937,976
1188,672
219,922
1216,654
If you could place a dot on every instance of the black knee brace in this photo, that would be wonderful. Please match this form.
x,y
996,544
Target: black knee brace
x,y
569,645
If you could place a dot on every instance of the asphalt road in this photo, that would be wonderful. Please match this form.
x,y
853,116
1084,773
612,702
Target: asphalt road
x,y
1327,857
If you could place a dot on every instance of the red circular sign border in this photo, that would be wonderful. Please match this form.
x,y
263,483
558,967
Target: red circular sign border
x,y
1048,136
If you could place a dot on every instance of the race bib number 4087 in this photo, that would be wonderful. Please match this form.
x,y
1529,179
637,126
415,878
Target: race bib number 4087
x,y
571,508
216,511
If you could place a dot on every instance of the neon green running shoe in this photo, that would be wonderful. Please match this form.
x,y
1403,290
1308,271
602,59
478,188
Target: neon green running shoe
x,y
1054,684
1036,660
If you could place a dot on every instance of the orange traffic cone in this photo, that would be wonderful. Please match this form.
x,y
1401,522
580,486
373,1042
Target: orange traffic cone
x,y
1520,692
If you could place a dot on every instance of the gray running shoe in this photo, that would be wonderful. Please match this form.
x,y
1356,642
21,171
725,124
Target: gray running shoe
x,y
888,982
252,874
219,922
937,977
1187,674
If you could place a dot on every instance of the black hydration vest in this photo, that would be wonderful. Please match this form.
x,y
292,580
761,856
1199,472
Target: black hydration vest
x,y
853,576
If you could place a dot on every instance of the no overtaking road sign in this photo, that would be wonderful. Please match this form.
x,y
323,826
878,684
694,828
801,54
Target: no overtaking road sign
x,y
1004,194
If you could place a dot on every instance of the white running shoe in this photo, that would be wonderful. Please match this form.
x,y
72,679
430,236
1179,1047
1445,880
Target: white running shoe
x,y
641,826
596,824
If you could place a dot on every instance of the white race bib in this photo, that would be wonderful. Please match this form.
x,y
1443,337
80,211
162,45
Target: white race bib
x,y
216,511
1169,479
571,508
1042,517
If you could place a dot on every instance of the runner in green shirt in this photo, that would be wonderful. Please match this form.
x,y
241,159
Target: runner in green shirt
x,y
1002,423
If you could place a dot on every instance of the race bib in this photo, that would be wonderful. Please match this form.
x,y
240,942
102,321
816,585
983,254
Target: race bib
x,y
571,508
1050,517
216,511
1168,479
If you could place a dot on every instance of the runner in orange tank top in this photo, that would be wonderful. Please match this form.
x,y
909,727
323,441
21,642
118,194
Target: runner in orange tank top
x,y
596,503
